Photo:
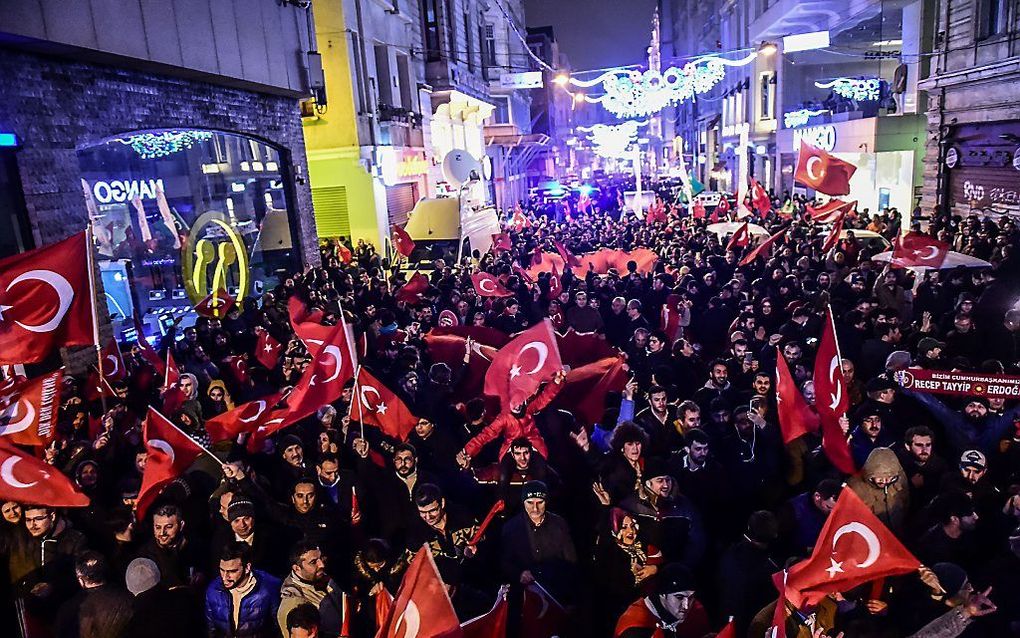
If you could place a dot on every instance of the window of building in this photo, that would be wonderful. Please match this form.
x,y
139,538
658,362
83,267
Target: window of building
x,y
173,224
768,97
483,45
384,81
451,33
470,53
359,76
490,45
404,78
993,17
430,30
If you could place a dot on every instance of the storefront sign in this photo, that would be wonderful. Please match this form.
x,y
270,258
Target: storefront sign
x,y
983,187
394,167
524,80
952,157
961,384
823,137
120,191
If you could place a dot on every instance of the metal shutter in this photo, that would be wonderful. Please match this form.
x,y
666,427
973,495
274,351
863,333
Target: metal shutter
x,y
332,217
400,199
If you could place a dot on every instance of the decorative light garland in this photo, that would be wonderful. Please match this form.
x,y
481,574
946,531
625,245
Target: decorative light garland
x,y
800,118
164,143
613,140
633,93
861,90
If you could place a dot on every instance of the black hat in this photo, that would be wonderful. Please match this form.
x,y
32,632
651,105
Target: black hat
x,y
534,489
674,578
951,577
289,440
239,508
880,384
655,467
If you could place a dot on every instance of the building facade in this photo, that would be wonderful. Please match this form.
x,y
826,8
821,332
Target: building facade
x,y
972,149
181,147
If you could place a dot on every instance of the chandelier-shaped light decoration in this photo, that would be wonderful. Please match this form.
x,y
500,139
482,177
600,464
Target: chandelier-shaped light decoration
x,y
633,93
794,119
164,143
613,140
859,89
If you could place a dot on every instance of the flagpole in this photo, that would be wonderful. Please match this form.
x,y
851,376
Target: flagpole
x,y
357,398
90,265
839,355
189,437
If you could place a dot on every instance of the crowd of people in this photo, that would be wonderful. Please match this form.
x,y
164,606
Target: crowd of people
x,y
666,516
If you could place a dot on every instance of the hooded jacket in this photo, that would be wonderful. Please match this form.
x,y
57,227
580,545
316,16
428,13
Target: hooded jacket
x,y
889,504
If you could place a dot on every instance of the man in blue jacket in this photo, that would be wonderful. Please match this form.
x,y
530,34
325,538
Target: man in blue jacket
x,y
241,602
974,428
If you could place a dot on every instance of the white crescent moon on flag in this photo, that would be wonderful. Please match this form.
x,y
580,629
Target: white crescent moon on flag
x,y
60,286
338,358
410,619
543,354
865,532
17,424
808,165
839,386
7,474
545,606
116,364
365,390
492,286
262,408
163,447
930,256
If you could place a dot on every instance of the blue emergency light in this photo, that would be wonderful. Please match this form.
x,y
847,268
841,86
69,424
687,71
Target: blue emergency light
x,y
8,140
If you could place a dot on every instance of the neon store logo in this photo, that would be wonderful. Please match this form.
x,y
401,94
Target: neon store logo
x,y
120,191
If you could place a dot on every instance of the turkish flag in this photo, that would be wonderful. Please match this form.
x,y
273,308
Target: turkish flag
x,y
324,379
488,286
26,479
833,237
238,365
422,607
568,257
853,548
521,366
831,211
918,249
170,453
113,362
216,305
449,349
298,312
523,274
822,172
579,348
45,301
740,239
586,387
246,417
29,409
698,209
729,631
402,242
760,199
796,418
491,624
501,241
379,406
447,318
148,352
669,316
541,615
96,386
721,210
764,248
555,284
267,349
411,291
383,605
344,254
832,398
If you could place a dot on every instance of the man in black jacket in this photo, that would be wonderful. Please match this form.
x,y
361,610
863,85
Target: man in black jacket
x,y
537,546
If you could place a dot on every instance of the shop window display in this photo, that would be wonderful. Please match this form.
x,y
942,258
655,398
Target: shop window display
x,y
180,214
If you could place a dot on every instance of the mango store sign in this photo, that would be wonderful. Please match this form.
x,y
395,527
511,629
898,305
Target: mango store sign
x,y
120,191
823,137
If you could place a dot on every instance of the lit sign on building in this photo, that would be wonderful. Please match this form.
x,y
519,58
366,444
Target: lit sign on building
x,y
393,168
823,137
120,191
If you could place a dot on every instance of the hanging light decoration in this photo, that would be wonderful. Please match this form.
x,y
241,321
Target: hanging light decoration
x,y
613,140
858,89
794,119
164,143
633,93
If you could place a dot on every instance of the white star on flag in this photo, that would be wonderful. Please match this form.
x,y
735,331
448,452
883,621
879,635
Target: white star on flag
x,y
834,568
515,372
381,408
268,348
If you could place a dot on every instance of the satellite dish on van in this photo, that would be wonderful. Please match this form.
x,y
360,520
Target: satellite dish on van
x,y
460,167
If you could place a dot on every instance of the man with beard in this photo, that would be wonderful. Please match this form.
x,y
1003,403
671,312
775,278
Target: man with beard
x,y
671,611
953,537
308,583
976,428
869,434
241,601
657,420
447,531
668,519
390,504
717,386
171,549
924,470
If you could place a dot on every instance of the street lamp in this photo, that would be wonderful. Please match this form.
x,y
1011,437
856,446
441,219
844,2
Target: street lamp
x,y
767,48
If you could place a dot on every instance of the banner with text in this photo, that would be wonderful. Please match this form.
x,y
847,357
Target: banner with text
x,y
961,383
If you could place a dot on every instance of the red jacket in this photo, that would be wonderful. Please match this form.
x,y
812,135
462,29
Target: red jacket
x,y
639,618
511,427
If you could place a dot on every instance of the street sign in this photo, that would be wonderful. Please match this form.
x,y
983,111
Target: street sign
x,y
524,80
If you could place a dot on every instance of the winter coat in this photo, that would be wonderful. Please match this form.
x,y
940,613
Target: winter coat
x,y
258,609
510,427
890,504
295,591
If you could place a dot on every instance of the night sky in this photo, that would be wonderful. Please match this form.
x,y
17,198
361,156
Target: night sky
x,y
596,33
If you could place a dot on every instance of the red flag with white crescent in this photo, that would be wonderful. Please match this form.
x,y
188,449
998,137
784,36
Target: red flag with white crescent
x,y
247,417
501,242
422,607
853,548
170,453
831,211
823,172
29,409
45,301
375,404
26,479
741,237
216,305
763,249
113,362
918,249
542,616
833,237
267,349
325,377
447,318
795,415
555,284
402,241
832,398
488,286
521,366
148,352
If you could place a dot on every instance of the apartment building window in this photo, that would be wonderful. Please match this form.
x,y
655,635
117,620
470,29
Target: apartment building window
x,y
993,17
470,42
768,96
451,32
430,29
482,53
359,76
384,81
404,78
489,49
